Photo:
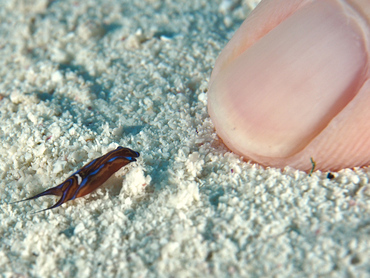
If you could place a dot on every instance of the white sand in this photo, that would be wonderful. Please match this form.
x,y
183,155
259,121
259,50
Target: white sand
x,y
77,79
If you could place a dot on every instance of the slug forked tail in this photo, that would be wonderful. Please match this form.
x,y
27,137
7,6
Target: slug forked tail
x,y
56,191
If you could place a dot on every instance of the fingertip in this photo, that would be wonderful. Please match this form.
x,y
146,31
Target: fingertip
x,y
270,100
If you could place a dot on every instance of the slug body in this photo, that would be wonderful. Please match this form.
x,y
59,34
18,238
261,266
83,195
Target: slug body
x,y
90,177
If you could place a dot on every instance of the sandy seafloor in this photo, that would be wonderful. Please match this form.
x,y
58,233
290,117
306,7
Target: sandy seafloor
x,y
79,78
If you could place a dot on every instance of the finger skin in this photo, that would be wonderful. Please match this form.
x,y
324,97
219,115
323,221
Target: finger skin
x,y
293,83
